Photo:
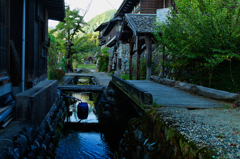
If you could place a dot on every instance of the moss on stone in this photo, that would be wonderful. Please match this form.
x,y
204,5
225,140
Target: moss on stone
x,y
169,143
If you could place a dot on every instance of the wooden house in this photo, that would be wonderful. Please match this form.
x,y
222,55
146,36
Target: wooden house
x,y
102,39
112,31
142,6
132,25
90,59
24,41
108,36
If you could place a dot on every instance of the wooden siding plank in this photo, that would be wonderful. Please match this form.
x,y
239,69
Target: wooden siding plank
x,y
15,57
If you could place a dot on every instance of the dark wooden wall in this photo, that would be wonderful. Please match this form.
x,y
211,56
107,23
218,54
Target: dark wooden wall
x,y
112,33
16,13
4,38
36,39
151,6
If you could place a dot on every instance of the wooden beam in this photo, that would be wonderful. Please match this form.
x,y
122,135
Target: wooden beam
x,y
130,60
143,49
149,57
132,40
82,88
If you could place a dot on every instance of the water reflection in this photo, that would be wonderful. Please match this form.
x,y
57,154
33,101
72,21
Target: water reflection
x,y
75,144
83,146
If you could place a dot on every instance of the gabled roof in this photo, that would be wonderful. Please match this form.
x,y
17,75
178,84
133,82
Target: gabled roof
x,y
126,7
141,23
101,27
56,9
111,24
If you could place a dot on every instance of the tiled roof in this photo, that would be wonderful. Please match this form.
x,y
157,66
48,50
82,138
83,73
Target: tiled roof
x,y
141,23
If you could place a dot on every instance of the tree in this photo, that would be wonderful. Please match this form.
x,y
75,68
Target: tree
x,y
85,43
67,30
201,35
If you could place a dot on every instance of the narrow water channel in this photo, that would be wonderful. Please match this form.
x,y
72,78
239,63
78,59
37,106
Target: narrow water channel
x,y
97,143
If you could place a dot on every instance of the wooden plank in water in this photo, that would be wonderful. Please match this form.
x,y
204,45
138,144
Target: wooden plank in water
x,y
82,88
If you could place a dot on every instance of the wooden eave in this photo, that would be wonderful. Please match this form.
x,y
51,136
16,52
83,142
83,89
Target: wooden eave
x,y
56,9
125,33
101,27
110,25
126,7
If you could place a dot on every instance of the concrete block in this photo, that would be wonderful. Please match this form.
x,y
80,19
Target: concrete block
x,y
33,104
141,95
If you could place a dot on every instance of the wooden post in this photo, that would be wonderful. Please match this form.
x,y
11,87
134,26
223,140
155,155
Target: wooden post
x,y
138,57
130,60
99,51
149,57
163,60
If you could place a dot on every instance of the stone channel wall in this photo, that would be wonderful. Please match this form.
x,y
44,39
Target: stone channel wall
x,y
153,137
41,141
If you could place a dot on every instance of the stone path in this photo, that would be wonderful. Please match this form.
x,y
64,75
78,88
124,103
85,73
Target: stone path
x,y
173,97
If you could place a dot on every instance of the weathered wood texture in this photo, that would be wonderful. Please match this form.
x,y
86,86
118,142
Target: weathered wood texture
x,y
36,41
82,88
112,33
4,36
150,6
173,97
16,58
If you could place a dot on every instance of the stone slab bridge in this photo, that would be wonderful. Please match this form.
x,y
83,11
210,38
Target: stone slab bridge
x,y
147,93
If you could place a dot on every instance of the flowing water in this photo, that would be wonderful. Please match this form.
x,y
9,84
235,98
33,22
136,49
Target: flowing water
x,y
96,143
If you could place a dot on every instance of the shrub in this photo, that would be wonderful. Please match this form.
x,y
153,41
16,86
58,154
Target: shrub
x,y
56,74
203,36
103,60
125,77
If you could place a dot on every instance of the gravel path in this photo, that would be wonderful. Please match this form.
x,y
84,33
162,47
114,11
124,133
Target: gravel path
x,y
218,128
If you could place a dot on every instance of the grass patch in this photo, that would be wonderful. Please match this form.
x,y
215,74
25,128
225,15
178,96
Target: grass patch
x,y
87,66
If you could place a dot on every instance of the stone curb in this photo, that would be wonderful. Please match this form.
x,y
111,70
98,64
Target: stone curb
x,y
198,90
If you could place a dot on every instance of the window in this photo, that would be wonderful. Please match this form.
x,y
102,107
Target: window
x,y
3,37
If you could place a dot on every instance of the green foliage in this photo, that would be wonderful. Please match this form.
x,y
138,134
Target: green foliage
x,y
52,55
56,74
97,20
67,30
73,24
125,77
155,104
112,73
143,69
202,37
103,60
85,44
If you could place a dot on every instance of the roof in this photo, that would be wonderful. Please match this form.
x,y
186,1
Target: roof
x,y
126,7
101,26
90,57
56,9
111,24
141,23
